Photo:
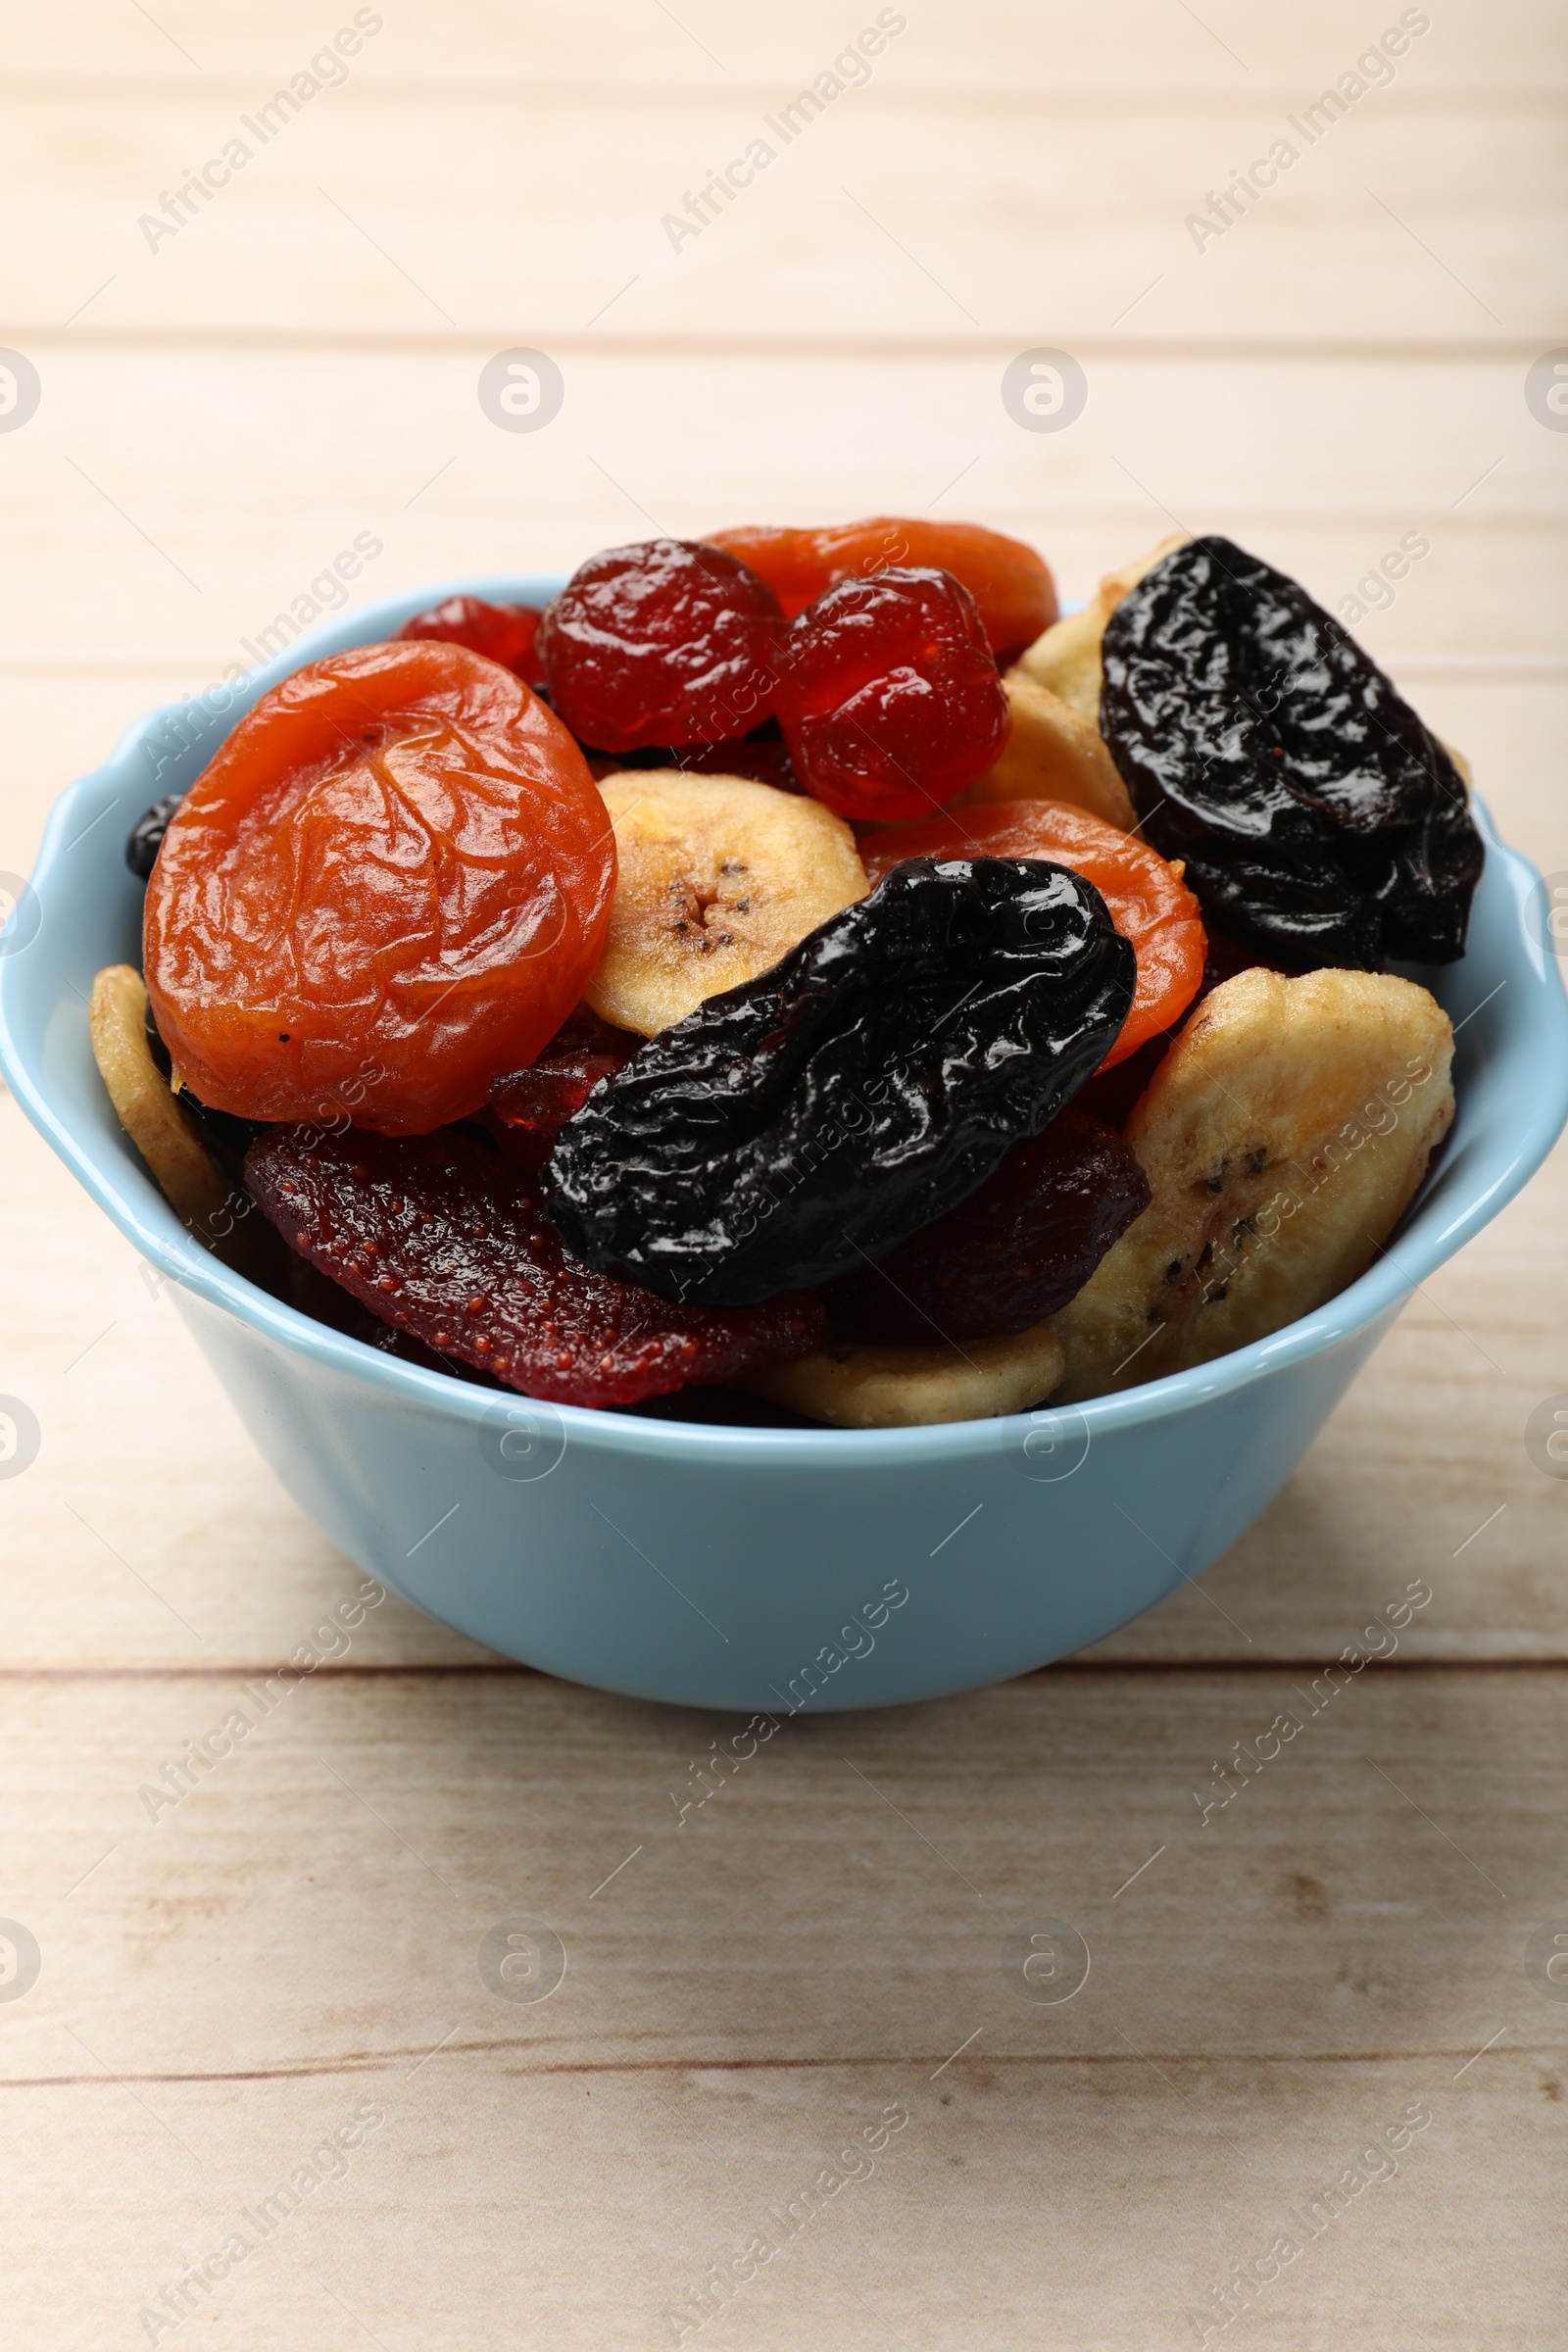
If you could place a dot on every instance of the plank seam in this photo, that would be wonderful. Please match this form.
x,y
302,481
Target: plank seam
x,y
377,2061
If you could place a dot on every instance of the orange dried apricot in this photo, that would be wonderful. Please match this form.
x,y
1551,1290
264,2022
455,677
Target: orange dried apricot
x,y
1011,585
387,889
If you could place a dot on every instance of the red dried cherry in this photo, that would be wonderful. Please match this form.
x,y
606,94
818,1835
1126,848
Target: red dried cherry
x,y
389,886
502,633
437,1237
668,641
888,695
1011,584
530,1108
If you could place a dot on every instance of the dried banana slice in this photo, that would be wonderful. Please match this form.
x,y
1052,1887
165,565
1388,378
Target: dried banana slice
x,y
1066,659
116,1021
719,877
1284,1135
1053,754
866,1383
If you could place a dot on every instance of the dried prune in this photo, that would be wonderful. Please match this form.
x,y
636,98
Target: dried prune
x,y
888,695
1011,584
502,633
146,837
388,887
667,640
440,1239
530,1108
1015,1251
1318,817
822,1112
1150,903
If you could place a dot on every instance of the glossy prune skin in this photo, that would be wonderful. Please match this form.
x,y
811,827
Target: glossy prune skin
x,y
666,641
1319,820
1150,903
436,1236
889,695
146,836
1013,1254
816,1116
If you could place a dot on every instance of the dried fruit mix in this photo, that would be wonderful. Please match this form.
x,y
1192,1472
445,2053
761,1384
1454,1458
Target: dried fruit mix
x,y
584,1049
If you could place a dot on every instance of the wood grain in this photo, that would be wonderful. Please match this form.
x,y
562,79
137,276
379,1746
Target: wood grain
x,y
757,1985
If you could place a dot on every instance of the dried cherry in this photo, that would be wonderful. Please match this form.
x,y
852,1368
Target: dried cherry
x,y
502,633
530,1108
1150,903
888,695
1011,584
1318,817
870,1079
668,641
388,887
1015,1251
439,1239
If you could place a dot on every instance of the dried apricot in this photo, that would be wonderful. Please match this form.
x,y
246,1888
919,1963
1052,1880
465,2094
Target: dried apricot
x,y
437,1237
1011,584
502,633
668,641
1148,901
387,888
888,696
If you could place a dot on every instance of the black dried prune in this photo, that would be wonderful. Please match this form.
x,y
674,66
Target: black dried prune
x,y
1013,1254
1319,820
146,837
816,1116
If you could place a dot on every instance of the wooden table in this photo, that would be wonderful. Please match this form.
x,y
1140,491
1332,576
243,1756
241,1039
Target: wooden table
x,y
814,1965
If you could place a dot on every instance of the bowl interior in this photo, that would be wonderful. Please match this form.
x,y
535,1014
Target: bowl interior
x,y
82,911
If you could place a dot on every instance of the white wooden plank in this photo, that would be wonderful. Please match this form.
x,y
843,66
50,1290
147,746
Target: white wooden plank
x,y
991,44
1415,214
169,504
754,1990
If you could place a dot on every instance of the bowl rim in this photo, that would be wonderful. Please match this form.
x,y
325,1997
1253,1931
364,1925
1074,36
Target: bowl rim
x,y
129,1196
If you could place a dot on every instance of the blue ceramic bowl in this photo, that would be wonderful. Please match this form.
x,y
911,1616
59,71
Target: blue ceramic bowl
x,y
750,1568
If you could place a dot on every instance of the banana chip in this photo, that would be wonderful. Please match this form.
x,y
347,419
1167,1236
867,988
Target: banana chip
x,y
116,1021
719,877
1066,659
1053,754
1284,1135
866,1383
